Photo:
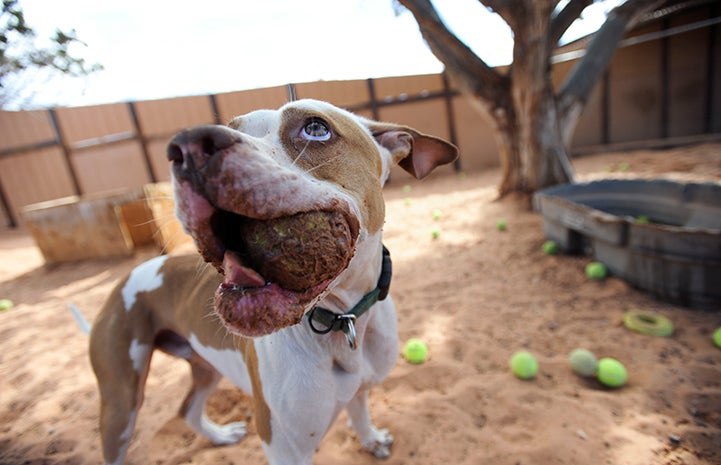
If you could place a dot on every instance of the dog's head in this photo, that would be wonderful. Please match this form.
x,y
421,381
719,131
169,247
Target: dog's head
x,y
279,200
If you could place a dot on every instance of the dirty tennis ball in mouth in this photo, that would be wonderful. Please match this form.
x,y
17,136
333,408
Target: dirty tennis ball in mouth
x,y
298,251
583,362
611,372
415,350
523,364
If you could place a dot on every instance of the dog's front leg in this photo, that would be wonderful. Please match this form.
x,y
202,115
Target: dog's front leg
x,y
376,441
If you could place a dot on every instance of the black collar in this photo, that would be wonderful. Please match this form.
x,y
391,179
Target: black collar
x,y
345,322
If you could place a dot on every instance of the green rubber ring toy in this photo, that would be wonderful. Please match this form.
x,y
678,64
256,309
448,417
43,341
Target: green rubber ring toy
x,y
648,323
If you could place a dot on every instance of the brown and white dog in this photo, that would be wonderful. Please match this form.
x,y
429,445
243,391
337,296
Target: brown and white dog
x,y
306,156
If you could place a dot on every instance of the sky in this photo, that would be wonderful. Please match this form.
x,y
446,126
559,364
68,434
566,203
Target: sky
x,y
154,49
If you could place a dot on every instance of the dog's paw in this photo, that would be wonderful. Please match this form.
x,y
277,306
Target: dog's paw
x,y
379,444
223,435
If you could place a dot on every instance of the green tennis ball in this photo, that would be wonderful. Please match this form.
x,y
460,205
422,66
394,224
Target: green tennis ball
x,y
6,304
501,225
415,351
583,362
596,270
623,166
611,372
407,202
550,248
717,337
523,364
407,188
436,213
642,219
435,233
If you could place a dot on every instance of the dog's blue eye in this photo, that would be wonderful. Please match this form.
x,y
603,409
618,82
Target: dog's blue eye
x,y
316,130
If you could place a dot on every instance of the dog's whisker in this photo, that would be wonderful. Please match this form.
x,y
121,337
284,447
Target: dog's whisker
x,y
302,152
326,162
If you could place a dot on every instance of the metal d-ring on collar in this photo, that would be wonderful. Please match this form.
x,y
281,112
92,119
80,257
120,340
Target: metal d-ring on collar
x,y
346,321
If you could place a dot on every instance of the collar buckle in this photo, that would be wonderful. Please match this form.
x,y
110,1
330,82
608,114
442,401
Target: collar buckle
x,y
346,321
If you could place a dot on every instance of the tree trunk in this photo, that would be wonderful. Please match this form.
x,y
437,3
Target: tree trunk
x,y
537,152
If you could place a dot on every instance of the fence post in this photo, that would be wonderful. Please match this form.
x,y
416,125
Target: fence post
x,y
373,100
60,140
450,116
291,92
12,222
214,108
143,144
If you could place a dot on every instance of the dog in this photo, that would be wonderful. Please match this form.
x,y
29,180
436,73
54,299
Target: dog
x,y
303,354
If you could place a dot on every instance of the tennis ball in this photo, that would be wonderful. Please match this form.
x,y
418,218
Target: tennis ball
x,y
583,362
407,202
436,213
523,364
642,219
6,304
435,233
596,270
623,166
415,350
501,225
717,337
550,248
298,251
407,188
611,372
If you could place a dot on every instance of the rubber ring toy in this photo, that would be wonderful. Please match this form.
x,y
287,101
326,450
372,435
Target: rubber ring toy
x,y
648,323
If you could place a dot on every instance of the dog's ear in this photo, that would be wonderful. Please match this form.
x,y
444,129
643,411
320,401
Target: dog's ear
x,y
413,151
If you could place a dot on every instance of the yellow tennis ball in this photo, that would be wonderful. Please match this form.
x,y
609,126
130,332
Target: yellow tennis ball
x,y
611,372
415,350
523,364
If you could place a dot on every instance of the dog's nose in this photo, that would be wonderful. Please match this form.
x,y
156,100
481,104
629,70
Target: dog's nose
x,y
201,141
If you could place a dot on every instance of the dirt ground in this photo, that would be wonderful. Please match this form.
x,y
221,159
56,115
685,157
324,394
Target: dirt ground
x,y
474,294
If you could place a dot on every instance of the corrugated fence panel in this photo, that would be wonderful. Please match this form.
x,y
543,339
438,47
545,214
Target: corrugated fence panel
x,y
234,104
33,177
167,116
393,87
475,139
83,123
345,94
23,128
110,167
161,119
635,94
687,82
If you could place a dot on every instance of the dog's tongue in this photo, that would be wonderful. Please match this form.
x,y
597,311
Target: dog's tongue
x,y
238,275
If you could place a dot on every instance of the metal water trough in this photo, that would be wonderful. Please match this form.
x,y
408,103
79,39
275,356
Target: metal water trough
x,y
659,235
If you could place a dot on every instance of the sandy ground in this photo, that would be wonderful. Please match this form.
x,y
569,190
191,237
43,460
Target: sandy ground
x,y
474,294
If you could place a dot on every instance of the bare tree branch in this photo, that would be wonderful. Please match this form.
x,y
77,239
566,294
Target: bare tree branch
x,y
470,71
561,22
